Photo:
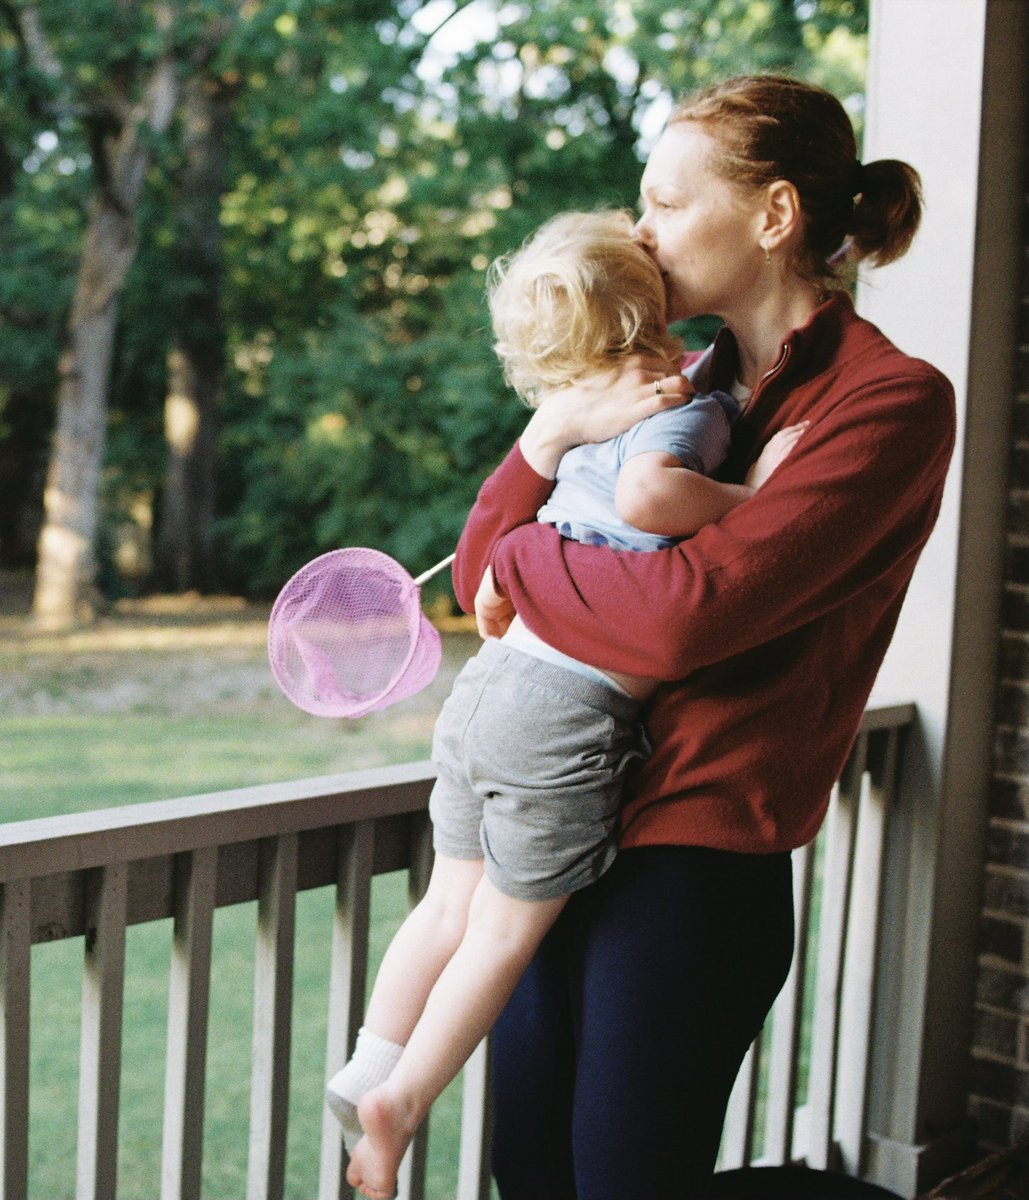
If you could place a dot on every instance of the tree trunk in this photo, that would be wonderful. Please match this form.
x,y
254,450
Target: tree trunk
x,y
185,540
66,566
185,557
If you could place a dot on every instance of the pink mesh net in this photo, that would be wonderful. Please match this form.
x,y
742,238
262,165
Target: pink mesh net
x,y
347,635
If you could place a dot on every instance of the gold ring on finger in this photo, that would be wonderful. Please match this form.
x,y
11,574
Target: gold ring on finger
x,y
658,389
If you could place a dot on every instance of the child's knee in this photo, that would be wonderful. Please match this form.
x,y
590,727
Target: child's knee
x,y
509,924
448,898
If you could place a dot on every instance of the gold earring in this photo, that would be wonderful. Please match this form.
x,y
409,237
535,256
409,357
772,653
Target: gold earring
x,y
768,257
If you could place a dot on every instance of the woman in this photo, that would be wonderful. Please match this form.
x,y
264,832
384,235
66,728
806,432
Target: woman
x,y
616,1056
531,748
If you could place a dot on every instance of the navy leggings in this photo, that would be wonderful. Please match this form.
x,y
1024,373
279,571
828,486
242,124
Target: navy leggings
x,y
615,1057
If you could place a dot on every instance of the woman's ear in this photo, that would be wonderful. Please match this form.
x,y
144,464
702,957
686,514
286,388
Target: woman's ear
x,y
780,214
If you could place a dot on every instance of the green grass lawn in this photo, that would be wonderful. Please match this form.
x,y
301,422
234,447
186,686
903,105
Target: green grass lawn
x,y
65,764
64,748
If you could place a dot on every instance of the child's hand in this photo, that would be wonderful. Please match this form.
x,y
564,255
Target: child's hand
x,y
774,453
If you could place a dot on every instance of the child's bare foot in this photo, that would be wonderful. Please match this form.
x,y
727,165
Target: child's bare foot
x,y
388,1129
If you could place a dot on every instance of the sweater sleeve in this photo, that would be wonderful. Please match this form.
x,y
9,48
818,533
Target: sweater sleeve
x,y
510,497
855,500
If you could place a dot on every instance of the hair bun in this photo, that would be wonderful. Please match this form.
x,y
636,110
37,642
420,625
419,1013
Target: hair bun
x,y
888,210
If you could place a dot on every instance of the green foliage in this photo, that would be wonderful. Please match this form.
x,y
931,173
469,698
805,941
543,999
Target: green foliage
x,y
369,439
379,425
376,167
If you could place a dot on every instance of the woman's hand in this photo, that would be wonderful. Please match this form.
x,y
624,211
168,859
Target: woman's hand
x,y
599,407
493,612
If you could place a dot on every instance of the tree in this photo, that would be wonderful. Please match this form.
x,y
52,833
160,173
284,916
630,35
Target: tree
x,y
134,101
39,197
235,127
185,550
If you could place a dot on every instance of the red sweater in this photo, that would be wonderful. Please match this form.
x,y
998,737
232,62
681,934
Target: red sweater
x,y
768,627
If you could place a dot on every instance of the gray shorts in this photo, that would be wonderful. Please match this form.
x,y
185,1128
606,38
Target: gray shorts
x,y
531,761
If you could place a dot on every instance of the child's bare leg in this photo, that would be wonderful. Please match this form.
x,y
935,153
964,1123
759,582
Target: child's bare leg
x,y
422,947
412,964
502,936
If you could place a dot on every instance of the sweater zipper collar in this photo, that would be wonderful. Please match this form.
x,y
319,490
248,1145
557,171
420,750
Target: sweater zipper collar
x,y
772,373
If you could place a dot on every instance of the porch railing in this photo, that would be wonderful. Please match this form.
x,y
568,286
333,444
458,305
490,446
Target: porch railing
x,y
93,875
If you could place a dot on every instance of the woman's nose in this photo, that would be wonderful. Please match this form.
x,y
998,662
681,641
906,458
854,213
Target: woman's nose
x,y
644,234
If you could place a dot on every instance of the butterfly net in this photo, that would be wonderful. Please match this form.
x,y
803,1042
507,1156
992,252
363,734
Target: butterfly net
x,y
347,635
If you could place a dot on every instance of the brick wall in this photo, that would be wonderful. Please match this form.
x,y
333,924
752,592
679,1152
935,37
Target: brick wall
x,y
1000,1088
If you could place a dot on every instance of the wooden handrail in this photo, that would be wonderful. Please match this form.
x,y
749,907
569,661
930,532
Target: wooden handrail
x,y
136,831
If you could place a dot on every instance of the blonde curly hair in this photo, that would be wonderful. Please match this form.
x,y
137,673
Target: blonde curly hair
x,y
580,292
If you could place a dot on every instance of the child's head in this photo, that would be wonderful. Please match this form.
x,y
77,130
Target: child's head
x,y
579,292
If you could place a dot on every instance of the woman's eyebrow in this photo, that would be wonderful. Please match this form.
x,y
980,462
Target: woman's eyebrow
x,y
662,187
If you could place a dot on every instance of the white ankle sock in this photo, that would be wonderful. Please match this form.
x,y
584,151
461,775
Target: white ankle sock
x,y
373,1060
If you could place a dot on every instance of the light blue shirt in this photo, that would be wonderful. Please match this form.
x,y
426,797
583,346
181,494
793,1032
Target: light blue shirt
x,y
582,504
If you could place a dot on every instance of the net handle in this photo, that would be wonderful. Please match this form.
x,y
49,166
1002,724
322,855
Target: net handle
x,y
436,569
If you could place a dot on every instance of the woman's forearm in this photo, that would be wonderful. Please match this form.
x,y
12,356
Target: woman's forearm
x,y
866,480
544,440
509,497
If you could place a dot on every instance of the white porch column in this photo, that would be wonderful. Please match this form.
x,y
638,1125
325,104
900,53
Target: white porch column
x,y
947,92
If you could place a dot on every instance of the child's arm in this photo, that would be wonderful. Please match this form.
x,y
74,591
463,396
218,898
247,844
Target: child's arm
x,y
657,494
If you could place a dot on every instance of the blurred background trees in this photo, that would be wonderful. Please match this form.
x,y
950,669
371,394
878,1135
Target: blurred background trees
x,y
243,246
